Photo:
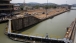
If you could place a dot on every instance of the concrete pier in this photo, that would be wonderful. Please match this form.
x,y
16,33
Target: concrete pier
x,y
70,34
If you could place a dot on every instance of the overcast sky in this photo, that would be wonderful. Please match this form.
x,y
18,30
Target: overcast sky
x,y
45,1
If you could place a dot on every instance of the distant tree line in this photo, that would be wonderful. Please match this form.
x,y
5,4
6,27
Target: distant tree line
x,y
45,7
38,6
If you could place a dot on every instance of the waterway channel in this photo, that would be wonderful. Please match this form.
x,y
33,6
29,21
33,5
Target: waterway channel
x,y
59,23
55,27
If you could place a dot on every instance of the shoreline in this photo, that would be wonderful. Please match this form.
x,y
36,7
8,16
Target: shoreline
x,y
14,38
35,20
41,16
27,38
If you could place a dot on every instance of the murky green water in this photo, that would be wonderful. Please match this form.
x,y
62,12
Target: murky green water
x,y
54,27
3,37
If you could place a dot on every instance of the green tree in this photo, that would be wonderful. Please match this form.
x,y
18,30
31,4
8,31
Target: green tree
x,y
36,7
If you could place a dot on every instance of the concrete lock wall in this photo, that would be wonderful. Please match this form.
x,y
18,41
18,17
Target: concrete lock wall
x,y
16,24
21,23
44,40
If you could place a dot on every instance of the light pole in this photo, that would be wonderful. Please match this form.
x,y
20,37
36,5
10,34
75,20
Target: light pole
x,y
66,2
47,9
46,18
24,5
66,5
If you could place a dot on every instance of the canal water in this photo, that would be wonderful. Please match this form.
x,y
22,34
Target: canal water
x,y
55,27
57,24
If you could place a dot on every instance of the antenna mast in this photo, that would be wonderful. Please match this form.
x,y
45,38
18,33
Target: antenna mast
x,y
24,5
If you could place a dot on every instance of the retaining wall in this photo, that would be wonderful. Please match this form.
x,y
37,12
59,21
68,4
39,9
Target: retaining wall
x,y
20,23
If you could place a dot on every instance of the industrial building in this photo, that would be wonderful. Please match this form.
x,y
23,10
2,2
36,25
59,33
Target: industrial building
x,y
6,6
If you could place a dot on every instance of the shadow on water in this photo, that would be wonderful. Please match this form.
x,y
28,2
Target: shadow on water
x,y
52,17
3,21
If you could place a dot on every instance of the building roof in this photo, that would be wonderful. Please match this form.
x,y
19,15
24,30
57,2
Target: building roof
x,y
16,5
